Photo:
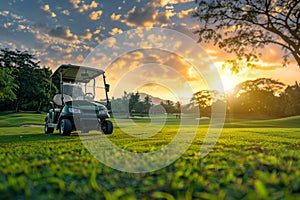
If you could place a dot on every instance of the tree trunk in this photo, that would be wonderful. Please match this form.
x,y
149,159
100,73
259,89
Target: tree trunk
x,y
17,109
39,107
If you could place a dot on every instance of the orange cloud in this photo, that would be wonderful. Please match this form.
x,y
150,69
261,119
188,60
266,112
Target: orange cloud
x,y
88,35
115,17
83,7
46,9
184,13
62,33
20,26
115,31
95,15
147,16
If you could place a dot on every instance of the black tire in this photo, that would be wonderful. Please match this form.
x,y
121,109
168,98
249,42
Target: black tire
x,y
107,127
47,129
65,127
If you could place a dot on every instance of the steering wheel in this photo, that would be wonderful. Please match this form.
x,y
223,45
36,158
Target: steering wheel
x,y
89,95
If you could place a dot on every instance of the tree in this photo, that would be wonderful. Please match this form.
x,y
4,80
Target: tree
x,y
204,99
169,106
41,92
292,94
147,103
31,80
7,86
244,26
178,107
261,97
265,84
134,99
120,106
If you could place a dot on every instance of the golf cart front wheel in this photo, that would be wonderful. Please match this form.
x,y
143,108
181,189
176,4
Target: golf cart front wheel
x,y
65,127
107,127
48,130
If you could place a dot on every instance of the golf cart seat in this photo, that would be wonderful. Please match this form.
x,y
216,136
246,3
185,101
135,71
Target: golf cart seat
x,y
57,99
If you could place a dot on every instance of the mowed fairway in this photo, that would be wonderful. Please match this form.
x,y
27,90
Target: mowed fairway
x,y
251,160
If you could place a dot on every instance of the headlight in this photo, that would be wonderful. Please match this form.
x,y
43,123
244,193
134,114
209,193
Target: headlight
x,y
74,110
103,112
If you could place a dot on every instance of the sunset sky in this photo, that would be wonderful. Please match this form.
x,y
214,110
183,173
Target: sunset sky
x,y
69,31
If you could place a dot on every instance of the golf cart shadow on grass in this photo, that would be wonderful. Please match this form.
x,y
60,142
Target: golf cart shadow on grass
x,y
75,107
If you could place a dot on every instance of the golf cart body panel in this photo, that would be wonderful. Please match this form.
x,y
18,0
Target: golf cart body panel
x,y
76,109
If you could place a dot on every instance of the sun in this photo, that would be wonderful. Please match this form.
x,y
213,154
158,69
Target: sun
x,y
229,79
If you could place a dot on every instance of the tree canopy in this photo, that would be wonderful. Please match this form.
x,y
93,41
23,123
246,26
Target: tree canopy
x,y
24,83
259,98
244,26
7,85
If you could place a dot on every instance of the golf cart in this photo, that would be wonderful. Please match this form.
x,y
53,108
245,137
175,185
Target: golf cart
x,y
74,108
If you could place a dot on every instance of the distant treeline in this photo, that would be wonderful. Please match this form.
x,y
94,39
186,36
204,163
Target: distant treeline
x,y
131,104
24,85
260,98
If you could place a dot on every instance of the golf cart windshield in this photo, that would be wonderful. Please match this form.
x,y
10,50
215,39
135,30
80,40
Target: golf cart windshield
x,y
80,91
73,90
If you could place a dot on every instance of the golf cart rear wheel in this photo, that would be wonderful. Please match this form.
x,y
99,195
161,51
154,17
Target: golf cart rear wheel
x,y
48,129
107,127
65,127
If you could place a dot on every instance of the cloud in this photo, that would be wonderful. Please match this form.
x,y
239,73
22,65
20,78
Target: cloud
x,y
21,27
88,35
95,15
65,12
180,1
42,26
94,4
115,17
62,33
158,3
4,13
47,11
78,4
46,7
116,31
79,58
97,31
148,15
185,13
75,3
8,24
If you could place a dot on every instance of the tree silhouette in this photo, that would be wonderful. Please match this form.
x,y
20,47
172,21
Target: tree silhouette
x,y
260,97
292,94
243,26
205,99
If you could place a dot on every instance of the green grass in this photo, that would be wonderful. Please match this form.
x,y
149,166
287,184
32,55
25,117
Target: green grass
x,y
251,160
19,119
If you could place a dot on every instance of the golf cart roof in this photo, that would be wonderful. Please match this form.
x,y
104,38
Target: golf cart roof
x,y
75,73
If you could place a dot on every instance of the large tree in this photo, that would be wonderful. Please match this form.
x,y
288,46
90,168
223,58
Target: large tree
x,y
30,81
257,98
292,95
244,26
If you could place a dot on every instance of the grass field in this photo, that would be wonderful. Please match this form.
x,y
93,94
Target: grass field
x,y
251,160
